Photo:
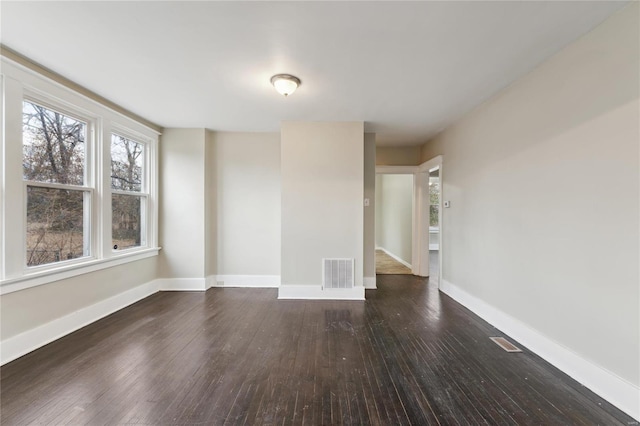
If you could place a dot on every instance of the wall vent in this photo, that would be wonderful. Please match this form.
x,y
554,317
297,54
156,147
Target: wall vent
x,y
337,273
505,344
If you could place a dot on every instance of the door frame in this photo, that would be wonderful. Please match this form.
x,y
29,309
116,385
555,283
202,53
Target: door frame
x,y
420,213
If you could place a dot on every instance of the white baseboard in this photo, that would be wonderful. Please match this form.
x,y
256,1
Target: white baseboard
x,y
369,283
616,390
182,284
258,281
313,292
407,264
17,346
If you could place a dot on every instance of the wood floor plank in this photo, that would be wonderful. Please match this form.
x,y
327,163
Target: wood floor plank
x,y
408,355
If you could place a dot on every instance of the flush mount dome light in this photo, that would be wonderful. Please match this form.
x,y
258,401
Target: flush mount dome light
x,y
285,84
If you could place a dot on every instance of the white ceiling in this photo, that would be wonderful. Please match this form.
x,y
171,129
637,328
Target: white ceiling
x,y
408,69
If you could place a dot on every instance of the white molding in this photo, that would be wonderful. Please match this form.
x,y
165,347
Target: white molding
x,y
316,292
21,344
396,170
407,264
608,385
182,284
255,281
71,270
369,283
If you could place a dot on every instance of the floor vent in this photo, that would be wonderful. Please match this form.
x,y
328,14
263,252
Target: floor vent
x,y
337,273
505,344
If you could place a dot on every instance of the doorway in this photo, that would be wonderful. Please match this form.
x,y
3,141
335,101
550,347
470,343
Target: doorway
x,y
394,223
421,220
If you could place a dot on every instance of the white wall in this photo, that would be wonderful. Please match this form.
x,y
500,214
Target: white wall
x,y
322,199
544,188
182,203
394,212
369,212
245,180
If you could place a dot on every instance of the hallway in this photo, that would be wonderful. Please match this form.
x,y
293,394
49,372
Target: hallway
x,y
386,265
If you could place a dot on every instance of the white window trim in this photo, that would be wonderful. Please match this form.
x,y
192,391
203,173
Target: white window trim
x,y
20,83
90,177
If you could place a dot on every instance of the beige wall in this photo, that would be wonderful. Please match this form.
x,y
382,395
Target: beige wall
x,y
544,188
211,208
394,212
398,156
182,203
369,212
245,180
25,310
322,168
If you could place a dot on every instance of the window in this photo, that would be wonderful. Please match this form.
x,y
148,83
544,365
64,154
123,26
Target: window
x,y
128,195
54,167
434,201
78,183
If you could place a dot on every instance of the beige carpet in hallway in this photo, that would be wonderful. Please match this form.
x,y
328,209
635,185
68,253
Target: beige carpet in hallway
x,y
386,264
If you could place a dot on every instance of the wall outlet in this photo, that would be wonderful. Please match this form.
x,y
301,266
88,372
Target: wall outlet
x,y
446,204
366,202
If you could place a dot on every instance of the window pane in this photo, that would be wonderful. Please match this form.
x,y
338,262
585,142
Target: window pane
x,y
434,190
433,215
126,223
55,225
126,164
53,146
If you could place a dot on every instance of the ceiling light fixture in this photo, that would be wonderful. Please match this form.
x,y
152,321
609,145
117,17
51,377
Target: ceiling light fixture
x,y
285,84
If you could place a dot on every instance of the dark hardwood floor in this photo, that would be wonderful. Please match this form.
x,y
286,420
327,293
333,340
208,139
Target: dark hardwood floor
x,y
408,355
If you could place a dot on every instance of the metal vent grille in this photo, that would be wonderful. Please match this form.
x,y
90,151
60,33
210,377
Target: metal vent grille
x,y
505,344
337,273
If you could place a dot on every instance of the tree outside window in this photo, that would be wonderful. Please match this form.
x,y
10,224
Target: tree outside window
x,y
54,150
128,199
434,201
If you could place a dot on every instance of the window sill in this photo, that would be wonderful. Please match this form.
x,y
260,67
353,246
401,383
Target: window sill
x,y
56,274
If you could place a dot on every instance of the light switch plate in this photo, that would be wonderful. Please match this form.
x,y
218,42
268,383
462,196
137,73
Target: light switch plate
x,y
446,204
366,202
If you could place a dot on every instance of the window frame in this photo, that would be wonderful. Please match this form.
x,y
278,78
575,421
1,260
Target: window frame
x,y
19,83
87,187
144,187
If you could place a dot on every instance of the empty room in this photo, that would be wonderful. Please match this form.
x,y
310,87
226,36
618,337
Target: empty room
x,y
320,213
